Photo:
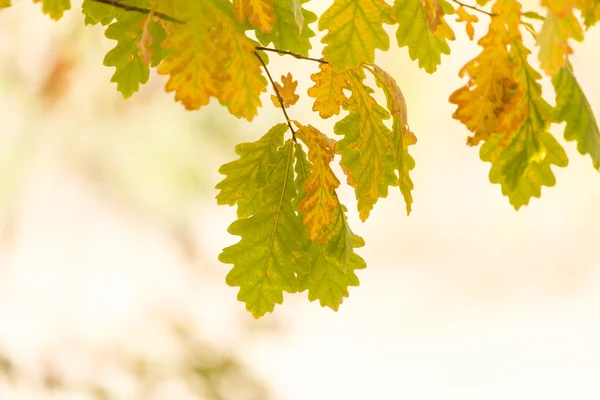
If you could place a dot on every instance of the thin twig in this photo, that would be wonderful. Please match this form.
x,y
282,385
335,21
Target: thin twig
x,y
290,53
127,7
474,8
287,118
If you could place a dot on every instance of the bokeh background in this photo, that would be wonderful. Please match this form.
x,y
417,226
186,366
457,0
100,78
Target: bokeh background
x,y
110,287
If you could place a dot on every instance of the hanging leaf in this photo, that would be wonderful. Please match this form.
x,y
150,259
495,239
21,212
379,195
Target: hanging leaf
x,y
425,35
573,107
354,30
287,91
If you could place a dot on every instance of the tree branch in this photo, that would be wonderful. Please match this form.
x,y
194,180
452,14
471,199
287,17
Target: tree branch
x,y
290,53
278,96
127,7
474,8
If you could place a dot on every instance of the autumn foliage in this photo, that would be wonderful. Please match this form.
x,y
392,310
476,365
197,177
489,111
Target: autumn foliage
x,y
294,234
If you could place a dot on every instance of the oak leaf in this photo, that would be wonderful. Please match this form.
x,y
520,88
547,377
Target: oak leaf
x,y
333,263
402,136
286,33
328,90
354,30
320,203
287,91
491,75
259,13
270,253
424,34
573,107
366,149
468,19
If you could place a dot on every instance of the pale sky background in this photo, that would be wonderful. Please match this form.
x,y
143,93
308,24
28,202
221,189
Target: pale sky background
x,y
109,221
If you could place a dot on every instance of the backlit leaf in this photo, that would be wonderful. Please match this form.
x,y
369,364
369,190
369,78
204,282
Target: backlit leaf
x,y
320,203
573,107
328,90
54,8
415,31
247,176
491,75
333,264
129,53
259,13
366,149
270,253
354,30
523,153
554,40
402,137
287,91
298,13
468,19
285,34
227,67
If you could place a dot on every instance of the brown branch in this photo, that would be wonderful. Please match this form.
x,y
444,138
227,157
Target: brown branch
x,y
278,95
474,8
290,53
127,7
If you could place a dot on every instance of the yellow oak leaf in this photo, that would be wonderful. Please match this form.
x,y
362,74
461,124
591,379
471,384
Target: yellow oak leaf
x,y
320,205
287,91
328,90
491,75
469,19
259,13
226,68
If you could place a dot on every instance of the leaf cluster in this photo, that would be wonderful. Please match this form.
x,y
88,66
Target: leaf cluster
x,y
294,234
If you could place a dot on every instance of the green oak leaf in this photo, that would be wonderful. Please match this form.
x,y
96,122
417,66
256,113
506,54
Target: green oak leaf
x,y
354,31
55,8
573,107
522,160
415,33
285,34
95,12
366,149
247,176
270,253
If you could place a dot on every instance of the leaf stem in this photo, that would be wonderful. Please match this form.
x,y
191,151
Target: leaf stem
x,y
474,8
127,7
278,95
290,53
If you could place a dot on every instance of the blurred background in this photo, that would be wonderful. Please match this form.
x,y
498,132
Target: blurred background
x,y
110,287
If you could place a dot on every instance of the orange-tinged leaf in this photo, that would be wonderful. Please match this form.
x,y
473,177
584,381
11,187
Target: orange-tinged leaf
x,y
469,19
287,91
321,202
145,43
328,90
491,75
259,13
